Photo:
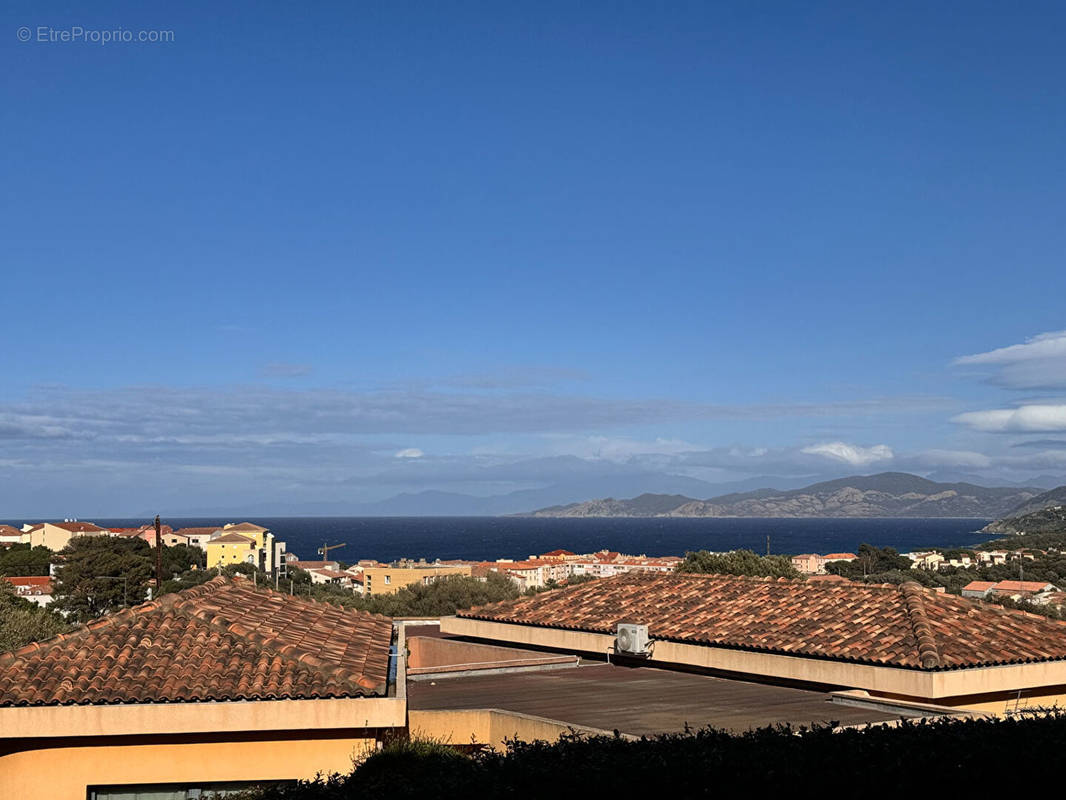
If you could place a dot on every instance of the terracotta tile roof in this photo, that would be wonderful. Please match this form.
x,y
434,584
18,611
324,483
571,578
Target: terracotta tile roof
x,y
827,579
330,573
198,531
30,585
978,586
7,530
312,564
232,538
1021,586
902,626
77,527
840,557
247,527
223,640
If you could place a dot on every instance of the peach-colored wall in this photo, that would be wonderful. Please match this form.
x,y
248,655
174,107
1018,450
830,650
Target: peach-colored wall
x,y
137,719
428,654
490,726
399,577
63,773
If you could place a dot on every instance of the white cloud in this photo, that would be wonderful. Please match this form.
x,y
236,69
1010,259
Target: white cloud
x,y
410,452
1038,363
850,453
1044,418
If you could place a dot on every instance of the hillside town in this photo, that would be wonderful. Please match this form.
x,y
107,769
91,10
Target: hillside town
x,y
256,549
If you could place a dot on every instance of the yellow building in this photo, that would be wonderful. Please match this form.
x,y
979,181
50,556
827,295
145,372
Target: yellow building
x,y
232,548
389,580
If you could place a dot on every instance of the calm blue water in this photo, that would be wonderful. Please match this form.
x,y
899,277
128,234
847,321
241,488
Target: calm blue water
x,y
488,538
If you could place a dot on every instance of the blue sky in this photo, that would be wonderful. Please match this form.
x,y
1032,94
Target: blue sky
x,y
311,253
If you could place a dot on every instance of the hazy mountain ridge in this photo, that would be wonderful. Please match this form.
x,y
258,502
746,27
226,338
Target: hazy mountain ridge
x,y
1044,513
889,494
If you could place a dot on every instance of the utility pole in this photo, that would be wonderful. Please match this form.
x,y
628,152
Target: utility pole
x,y
158,557
767,544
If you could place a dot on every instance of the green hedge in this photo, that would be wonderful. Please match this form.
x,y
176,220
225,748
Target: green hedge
x,y
916,757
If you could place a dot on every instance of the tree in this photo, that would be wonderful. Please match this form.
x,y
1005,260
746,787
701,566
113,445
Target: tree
x,y
444,596
738,562
22,622
97,574
21,559
871,561
182,557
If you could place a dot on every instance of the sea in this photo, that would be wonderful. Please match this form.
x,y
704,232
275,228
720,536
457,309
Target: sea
x,y
490,538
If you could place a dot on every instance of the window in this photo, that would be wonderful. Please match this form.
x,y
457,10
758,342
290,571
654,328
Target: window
x,y
388,579
176,791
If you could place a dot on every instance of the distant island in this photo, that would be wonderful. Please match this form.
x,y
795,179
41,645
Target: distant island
x,y
888,494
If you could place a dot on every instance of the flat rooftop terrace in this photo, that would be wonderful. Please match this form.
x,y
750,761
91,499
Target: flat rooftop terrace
x,y
638,700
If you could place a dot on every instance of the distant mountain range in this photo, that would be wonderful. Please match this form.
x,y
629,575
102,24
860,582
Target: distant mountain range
x,y
1044,513
572,491
889,494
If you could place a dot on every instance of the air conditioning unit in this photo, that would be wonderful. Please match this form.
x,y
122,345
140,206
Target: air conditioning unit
x,y
631,639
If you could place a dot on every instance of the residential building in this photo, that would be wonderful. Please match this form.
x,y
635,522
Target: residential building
x,y
270,551
1023,590
831,557
330,576
245,543
928,559
36,589
231,548
814,564
57,535
389,580
978,590
992,557
808,563
309,565
197,537
9,535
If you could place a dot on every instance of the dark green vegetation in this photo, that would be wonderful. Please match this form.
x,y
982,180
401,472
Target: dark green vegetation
x,y
962,754
876,565
441,597
1046,520
739,562
889,494
98,574
21,559
22,622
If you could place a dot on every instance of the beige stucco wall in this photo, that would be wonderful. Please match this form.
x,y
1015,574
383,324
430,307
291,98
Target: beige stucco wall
x,y
63,773
50,536
943,686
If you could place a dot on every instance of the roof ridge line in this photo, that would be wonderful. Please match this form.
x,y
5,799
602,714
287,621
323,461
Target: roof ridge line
x,y
914,603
